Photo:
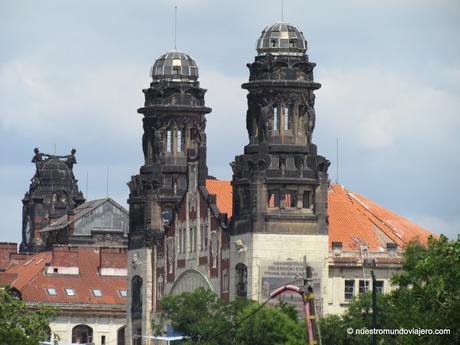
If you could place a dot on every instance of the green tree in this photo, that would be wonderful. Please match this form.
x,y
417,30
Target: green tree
x,y
206,320
20,325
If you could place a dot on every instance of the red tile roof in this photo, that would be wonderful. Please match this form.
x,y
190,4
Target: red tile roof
x,y
224,193
352,218
32,281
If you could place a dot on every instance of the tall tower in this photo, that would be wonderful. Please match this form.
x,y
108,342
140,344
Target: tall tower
x,y
174,147
280,182
53,192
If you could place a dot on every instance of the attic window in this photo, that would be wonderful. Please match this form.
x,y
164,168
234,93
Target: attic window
x,y
123,293
70,291
51,291
97,292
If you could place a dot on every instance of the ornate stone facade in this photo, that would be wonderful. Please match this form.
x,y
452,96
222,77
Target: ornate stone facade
x,y
53,192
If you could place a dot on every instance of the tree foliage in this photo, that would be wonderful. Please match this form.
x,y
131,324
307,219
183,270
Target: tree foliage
x,y
426,296
20,325
207,320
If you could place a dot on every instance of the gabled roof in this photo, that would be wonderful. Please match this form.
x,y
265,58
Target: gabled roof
x,y
80,212
32,281
352,219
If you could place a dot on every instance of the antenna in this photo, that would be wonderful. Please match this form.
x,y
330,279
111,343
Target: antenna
x,y
107,184
282,10
337,159
175,26
54,149
86,187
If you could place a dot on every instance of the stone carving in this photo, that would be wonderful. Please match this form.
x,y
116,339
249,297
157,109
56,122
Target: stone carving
x,y
38,157
70,159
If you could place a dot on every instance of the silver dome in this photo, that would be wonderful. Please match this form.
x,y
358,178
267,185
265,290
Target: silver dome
x,y
281,39
174,66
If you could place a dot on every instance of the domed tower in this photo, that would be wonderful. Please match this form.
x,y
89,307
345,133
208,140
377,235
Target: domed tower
x,y
174,147
280,182
53,192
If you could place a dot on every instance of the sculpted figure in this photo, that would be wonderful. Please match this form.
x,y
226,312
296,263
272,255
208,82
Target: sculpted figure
x,y
70,159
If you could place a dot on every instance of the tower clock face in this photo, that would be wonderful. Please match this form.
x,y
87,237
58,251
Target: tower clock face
x,y
28,230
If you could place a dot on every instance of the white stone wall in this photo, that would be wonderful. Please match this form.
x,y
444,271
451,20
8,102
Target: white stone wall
x,y
335,302
260,246
140,263
103,325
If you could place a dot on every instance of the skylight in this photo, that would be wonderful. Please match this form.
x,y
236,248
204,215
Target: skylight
x,y
97,292
123,293
51,291
70,291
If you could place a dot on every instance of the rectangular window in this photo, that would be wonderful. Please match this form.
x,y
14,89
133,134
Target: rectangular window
x,y
274,199
180,140
204,237
276,119
379,286
349,289
306,199
169,140
102,339
363,286
287,117
70,291
291,199
123,293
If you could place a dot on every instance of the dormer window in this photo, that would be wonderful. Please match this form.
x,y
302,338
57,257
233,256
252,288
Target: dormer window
x,y
70,291
97,293
51,291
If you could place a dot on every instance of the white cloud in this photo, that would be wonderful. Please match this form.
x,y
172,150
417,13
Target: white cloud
x,y
378,109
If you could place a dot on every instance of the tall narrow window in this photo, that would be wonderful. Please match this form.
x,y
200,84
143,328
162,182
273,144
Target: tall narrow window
x,y
363,286
241,280
276,118
306,199
287,118
274,199
169,140
180,140
291,199
349,289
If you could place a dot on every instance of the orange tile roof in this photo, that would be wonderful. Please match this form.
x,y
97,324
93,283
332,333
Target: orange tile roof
x,y
32,281
224,193
352,218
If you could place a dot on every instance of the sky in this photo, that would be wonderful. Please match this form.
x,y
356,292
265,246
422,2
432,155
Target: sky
x,y
72,74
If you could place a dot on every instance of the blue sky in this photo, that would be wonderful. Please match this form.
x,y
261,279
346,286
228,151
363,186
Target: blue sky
x,y
71,75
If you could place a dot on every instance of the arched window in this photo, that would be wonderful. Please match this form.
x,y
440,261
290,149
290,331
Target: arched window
x,y
136,303
241,280
82,334
121,336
